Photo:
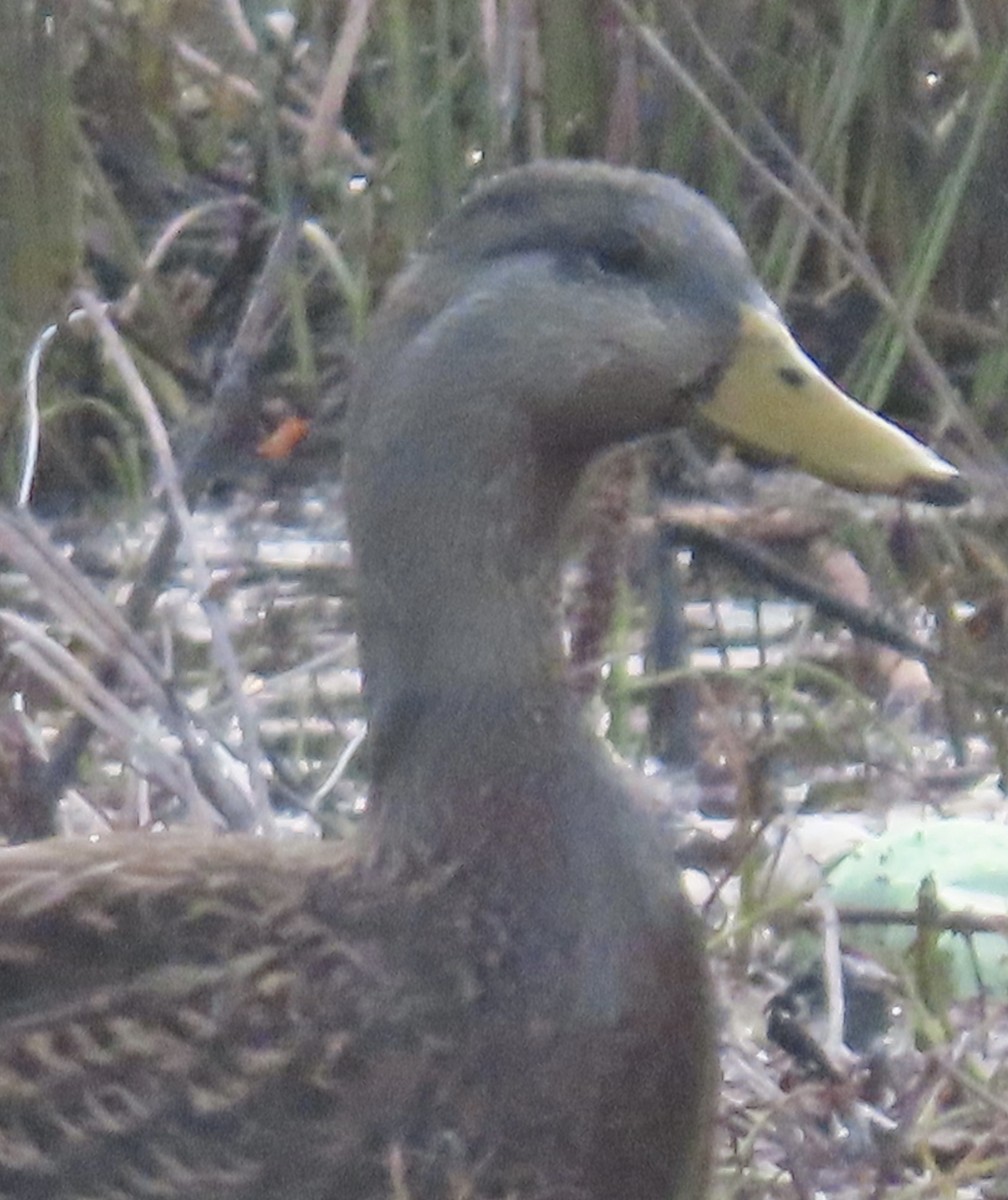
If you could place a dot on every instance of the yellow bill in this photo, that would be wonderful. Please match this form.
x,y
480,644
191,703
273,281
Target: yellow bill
x,y
775,400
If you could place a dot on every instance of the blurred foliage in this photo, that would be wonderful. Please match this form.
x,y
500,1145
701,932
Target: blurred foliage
x,y
40,247
126,116
153,146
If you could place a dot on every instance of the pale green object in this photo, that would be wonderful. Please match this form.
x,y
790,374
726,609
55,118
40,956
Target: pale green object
x,y
968,860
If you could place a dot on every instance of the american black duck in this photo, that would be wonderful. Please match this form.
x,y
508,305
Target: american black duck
x,y
496,994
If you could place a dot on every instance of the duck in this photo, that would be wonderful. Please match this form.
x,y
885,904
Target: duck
x,y
498,990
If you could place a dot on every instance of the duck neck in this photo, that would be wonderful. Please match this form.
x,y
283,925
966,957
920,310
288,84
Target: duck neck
x,y
457,541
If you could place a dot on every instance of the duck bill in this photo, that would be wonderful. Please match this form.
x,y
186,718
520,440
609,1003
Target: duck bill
x,y
775,400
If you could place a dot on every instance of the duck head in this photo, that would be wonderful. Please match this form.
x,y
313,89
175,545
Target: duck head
x,y
564,308
625,303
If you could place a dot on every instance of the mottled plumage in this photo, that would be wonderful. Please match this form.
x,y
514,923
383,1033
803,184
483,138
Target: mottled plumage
x,y
248,1019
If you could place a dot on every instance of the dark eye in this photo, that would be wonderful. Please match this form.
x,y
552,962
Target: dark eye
x,y
792,377
622,253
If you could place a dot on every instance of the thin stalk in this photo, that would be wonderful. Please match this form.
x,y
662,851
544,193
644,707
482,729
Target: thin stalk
x,y
881,365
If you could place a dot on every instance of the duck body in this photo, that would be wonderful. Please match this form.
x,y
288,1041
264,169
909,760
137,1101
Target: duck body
x,y
498,993
283,1020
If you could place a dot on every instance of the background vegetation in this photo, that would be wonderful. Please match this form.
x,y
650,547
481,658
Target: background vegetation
x,y
857,144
